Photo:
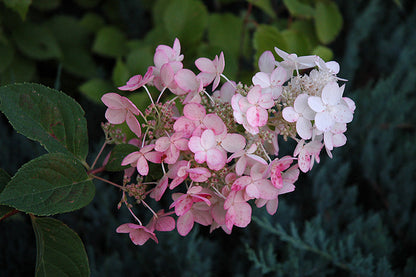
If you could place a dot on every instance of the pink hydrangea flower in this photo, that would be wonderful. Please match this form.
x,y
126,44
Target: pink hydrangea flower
x,y
210,70
271,82
206,150
120,109
137,233
162,222
171,147
138,81
139,159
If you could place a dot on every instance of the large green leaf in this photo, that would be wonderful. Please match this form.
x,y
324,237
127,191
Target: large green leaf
x,y
60,251
50,184
19,6
110,42
46,115
36,41
299,8
4,179
328,21
185,19
266,38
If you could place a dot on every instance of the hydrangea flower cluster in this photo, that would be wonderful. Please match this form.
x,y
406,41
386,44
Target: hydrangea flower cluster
x,y
218,152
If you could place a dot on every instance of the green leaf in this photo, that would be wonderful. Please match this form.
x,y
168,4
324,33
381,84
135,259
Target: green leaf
x,y
87,4
267,37
324,52
60,251
265,6
19,6
50,184
92,22
297,42
299,9
4,179
224,31
46,115
46,5
185,19
139,59
6,55
328,21
119,152
110,41
20,70
36,41
94,89
120,73
74,41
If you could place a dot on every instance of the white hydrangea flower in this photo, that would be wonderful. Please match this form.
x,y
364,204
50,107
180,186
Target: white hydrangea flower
x,y
302,114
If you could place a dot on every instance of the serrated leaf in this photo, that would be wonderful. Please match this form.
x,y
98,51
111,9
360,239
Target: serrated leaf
x,y
299,9
4,179
328,21
94,89
19,6
119,152
50,184
110,41
36,41
46,115
185,19
267,37
60,251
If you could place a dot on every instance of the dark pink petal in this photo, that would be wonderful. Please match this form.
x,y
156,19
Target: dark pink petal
x,y
140,236
142,166
131,158
185,223
165,224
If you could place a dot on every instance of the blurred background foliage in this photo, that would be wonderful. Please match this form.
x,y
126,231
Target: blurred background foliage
x,y
353,215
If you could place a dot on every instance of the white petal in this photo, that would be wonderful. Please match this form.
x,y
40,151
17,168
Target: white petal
x,y
324,121
267,62
341,114
339,140
316,104
262,79
331,94
304,128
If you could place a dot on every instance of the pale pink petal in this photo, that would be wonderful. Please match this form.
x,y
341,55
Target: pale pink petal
x,y
112,100
215,123
166,74
254,95
267,62
140,236
216,159
206,78
160,189
125,228
205,65
271,206
200,157
186,80
252,191
195,145
328,140
162,144
154,157
194,111
208,139
131,158
242,215
278,76
142,166
199,174
116,116
304,162
183,205
133,124
184,125
261,79
185,223
290,115
257,116
233,143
